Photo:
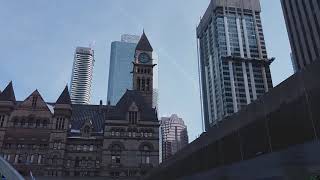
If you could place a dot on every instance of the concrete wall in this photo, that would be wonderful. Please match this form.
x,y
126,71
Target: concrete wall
x,y
286,117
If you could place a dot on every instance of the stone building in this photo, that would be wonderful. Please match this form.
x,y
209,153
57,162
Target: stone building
x,y
65,139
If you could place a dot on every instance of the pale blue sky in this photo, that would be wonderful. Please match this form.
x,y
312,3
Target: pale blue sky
x,y
38,39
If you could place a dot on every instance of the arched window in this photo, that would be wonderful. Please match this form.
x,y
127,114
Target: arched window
x,y
115,154
138,83
143,84
23,122
148,85
60,123
15,122
38,123
2,117
145,154
30,122
45,123
77,162
133,117
40,159
86,130
55,160
57,123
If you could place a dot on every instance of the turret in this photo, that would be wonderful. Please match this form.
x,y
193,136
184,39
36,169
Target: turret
x,y
7,98
143,69
62,110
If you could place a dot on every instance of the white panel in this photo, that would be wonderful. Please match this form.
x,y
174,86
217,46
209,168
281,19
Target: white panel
x,y
233,89
227,35
208,95
253,84
246,37
265,81
218,98
246,85
213,88
240,37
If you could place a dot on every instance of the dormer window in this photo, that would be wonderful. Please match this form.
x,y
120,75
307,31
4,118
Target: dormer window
x,y
2,117
34,101
133,117
45,123
133,114
86,130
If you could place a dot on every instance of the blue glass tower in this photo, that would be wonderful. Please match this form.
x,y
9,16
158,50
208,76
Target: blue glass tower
x,y
121,57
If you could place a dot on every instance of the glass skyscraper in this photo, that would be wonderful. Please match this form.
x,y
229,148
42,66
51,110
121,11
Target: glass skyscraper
x,y
303,25
121,58
234,66
81,78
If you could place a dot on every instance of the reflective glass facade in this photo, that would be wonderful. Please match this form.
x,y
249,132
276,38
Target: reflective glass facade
x,y
303,25
120,77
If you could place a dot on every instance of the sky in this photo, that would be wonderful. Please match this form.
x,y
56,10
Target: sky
x,y
38,39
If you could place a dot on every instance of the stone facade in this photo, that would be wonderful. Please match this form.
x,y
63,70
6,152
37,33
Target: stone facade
x,y
65,139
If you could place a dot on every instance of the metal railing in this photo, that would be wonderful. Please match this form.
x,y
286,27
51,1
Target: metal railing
x,y
7,171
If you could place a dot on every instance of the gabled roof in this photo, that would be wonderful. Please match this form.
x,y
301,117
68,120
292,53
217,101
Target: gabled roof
x,y
119,111
8,94
144,43
64,98
40,103
83,113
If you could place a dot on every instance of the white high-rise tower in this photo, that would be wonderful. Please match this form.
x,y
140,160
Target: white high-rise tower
x,y
81,78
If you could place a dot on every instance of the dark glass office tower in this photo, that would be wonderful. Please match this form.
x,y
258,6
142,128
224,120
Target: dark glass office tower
x,y
234,66
303,25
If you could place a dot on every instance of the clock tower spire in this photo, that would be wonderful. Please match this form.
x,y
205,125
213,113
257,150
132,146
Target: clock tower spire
x,y
143,69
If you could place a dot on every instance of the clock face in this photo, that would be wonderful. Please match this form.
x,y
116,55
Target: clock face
x,y
144,58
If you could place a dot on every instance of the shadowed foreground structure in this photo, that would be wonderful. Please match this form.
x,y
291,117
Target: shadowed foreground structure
x,y
276,137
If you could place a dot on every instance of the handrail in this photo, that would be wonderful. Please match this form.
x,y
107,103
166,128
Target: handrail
x,y
8,171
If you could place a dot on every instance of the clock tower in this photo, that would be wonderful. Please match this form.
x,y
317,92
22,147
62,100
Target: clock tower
x,y
143,69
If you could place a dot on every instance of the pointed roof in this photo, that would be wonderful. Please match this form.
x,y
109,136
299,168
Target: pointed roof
x,y
8,94
34,101
64,98
144,43
121,108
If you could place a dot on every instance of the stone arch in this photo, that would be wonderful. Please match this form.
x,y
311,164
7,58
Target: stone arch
x,y
116,143
148,144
